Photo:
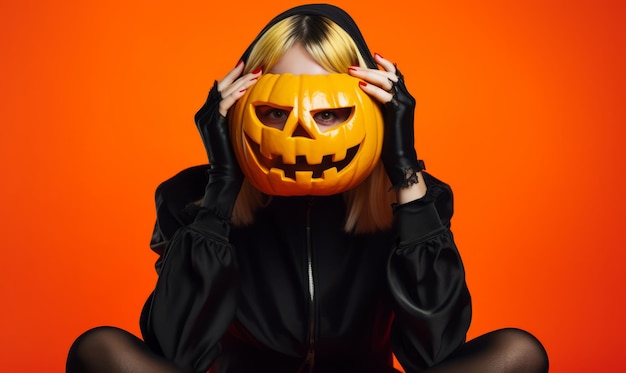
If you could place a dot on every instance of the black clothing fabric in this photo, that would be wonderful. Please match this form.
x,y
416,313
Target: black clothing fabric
x,y
226,176
295,292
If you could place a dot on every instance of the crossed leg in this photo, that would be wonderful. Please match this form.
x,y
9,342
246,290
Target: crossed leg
x,y
109,349
502,351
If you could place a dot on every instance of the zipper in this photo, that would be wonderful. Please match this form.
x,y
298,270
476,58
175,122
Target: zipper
x,y
310,356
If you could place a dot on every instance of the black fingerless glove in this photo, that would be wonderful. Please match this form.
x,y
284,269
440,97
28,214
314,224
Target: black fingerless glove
x,y
225,176
398,154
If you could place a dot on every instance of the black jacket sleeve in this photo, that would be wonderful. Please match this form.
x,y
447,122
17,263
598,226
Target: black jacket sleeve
x,y
427,282
194,299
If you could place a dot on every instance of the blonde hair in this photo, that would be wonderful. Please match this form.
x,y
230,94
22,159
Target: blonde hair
x,y
368,204
327,42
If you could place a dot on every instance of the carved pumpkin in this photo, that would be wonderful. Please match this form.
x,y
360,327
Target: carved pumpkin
x,y
306,134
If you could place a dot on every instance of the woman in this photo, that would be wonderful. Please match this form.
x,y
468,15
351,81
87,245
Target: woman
x,y
286,258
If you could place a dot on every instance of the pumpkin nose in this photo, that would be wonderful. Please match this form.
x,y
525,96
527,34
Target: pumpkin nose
x,y
300,131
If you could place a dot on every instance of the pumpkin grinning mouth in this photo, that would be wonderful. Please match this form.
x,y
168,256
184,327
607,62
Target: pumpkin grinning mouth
x,y
301,164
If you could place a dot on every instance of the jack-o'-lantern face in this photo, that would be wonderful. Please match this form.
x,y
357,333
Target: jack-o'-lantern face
x,y
306,134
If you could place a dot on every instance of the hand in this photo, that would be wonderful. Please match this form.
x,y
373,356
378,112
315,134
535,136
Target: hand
x,y
398,154
221,97
233,86
225,176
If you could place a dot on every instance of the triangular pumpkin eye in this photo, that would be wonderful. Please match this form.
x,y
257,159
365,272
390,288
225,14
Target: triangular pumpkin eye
x,y
327,119
272,116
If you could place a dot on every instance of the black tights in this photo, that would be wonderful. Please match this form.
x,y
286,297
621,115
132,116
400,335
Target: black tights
x,y
504,350
108,349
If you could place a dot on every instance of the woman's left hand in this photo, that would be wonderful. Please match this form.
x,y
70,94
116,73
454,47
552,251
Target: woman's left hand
x,y
377,83
398,154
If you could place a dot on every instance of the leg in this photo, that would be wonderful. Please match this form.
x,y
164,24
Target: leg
x,y
505,350
109,349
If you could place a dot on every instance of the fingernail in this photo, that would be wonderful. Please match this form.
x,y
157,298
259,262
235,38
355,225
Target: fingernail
x,y
239,63
376,54
242,91
362,84
257,70
352,68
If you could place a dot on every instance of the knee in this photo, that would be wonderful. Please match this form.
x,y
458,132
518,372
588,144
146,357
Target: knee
x,y
94,339
523,351
90,347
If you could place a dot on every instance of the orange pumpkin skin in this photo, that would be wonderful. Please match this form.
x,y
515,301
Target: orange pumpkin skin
x,y
316,161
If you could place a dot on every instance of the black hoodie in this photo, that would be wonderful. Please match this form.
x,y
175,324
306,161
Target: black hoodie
x,y
293,292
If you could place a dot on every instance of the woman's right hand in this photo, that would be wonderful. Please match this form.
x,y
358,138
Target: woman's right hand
x,y
232,87
221,97
225,176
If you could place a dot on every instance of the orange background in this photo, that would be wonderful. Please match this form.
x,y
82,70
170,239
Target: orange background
x,y
520,109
